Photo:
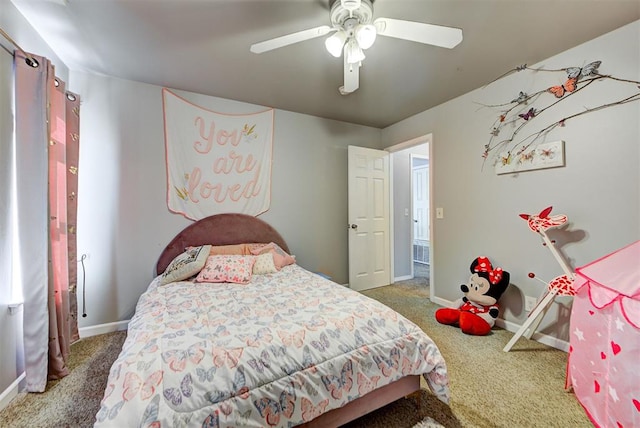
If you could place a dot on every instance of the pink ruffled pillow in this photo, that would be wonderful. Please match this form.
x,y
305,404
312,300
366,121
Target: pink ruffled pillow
x,y
280,257
227,268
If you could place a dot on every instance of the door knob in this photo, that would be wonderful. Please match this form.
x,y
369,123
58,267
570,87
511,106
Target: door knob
x,y
353,226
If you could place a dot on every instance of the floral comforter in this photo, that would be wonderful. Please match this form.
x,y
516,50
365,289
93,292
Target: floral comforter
x,y
276,352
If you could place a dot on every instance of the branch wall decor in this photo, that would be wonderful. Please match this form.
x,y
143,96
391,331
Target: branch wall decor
x,y
510,151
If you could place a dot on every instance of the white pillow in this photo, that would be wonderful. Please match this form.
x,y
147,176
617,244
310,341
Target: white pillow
x,y
186,264
264,264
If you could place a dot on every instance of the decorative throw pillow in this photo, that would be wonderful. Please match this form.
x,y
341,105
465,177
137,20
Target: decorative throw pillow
x,y
223,250
186,264
280,257
227,268
264,264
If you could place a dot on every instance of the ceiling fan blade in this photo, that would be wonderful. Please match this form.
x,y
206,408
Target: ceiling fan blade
x,y
351,77
290,39
446,37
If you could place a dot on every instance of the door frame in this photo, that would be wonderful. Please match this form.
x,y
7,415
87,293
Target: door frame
x,y
426,138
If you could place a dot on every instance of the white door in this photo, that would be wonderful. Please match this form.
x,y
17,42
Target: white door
x,y
421,202
369,245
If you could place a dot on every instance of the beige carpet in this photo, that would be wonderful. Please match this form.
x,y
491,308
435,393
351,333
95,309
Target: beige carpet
x,y
489,388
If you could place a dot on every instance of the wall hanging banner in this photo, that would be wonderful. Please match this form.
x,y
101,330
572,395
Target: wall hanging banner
x,y
216,163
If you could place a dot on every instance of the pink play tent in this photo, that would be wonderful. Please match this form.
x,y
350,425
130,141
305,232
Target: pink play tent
x,y
604,354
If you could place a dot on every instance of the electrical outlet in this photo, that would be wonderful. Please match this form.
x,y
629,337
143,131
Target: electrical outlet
x,y
529,303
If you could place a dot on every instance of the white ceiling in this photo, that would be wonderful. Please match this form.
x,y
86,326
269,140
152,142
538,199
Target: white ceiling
x,y
203,46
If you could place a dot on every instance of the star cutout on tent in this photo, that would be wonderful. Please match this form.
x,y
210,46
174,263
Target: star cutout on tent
x,y
619,324
579,334
613,393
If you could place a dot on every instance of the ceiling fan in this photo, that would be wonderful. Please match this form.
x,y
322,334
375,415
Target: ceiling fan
x,y
354,30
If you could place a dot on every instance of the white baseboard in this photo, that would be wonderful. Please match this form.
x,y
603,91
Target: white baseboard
x,y
441,302
95,330
545,339
554,342
402,278
12,391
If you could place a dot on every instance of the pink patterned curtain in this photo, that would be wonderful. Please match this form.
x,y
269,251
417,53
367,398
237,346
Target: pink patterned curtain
x,y
47,142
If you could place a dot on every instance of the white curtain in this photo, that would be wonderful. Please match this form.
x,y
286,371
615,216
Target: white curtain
x,y
31,168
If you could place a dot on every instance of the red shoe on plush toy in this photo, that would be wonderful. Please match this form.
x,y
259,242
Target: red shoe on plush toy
x,y
477,311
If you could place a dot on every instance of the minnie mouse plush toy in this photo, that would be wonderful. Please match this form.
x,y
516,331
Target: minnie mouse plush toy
x,y
476,312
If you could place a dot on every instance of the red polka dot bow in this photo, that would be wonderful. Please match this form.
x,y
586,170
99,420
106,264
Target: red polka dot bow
x,y
495,275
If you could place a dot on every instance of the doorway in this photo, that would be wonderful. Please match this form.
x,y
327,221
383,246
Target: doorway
x,y
410,210
420,204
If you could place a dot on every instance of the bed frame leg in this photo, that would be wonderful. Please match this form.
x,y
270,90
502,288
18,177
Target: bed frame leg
x,y
417,395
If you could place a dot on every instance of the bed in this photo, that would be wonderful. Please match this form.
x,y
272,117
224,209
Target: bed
x,y
288,348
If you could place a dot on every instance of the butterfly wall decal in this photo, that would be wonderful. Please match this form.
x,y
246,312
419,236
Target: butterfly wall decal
x,y
580,72
528,115
522,97
560,90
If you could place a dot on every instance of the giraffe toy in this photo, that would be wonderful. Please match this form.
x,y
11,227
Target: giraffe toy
x,y
561,285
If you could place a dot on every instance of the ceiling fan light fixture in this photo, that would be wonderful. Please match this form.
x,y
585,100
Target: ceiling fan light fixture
x,y
335,42
365,35
352,52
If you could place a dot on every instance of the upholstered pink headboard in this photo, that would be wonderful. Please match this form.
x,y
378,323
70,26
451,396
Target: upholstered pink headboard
x,y
220,229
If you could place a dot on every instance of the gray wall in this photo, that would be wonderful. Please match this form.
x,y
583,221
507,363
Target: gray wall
x,y
123,220
599,188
